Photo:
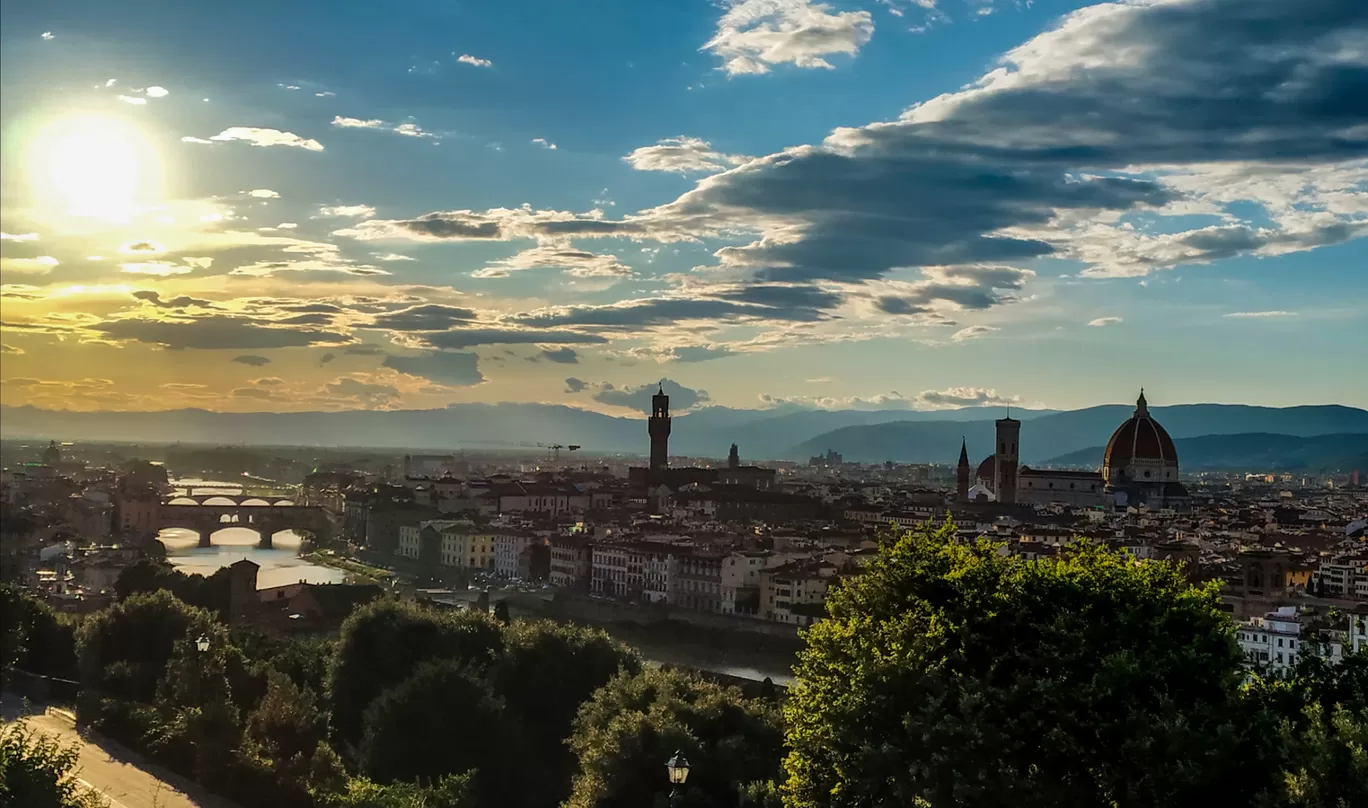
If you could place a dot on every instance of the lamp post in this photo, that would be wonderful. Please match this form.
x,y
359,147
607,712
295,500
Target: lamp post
x,y
677,768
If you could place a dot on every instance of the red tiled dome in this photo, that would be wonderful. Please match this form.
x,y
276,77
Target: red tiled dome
x,y
987,469
1140,438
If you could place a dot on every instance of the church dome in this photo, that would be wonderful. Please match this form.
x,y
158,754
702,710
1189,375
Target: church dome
x,y
987,470
1140,439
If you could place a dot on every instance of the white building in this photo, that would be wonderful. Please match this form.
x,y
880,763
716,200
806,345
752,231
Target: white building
x,y
509,547
609,569
1273,641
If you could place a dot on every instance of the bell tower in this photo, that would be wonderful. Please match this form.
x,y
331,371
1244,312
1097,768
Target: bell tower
x,y
659,428
1005,460
962,474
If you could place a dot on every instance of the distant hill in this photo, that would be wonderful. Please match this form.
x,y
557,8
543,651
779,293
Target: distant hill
x,y
1251,451
1063,433
707,432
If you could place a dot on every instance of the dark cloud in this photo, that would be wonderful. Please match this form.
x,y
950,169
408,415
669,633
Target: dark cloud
x,y
364,349
454,225
143,246
254,392
790,297
443,367
964,397
307,319
326,358
573,385
11,349
214,332
430,317
563,356
639,398
665,311
314,308
249,359
470,337
181,301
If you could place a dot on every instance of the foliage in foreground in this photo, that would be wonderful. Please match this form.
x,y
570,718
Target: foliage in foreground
x,y
38,772
955,675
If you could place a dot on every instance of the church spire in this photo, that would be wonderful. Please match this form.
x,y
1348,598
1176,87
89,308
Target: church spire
x,y
1142,406
964,454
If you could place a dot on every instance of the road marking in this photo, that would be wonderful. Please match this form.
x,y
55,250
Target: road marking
x,y
112,802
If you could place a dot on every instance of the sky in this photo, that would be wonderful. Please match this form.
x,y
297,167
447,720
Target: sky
x,y
914,204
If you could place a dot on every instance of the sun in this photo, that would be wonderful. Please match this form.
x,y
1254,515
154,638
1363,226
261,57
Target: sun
x,y
92,166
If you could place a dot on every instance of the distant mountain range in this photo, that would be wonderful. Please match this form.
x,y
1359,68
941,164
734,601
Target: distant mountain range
x,y
1062,433
1256,450
784,433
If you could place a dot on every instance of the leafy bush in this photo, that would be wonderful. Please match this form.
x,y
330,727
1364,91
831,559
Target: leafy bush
x,y
38,772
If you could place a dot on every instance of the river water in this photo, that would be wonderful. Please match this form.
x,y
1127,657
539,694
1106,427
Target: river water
x,y
279,566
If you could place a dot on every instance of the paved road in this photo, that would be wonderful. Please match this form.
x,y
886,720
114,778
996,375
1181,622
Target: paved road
x,y
125,779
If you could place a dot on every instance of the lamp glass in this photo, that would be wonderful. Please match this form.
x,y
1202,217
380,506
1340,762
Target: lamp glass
x,y
202,643
678,768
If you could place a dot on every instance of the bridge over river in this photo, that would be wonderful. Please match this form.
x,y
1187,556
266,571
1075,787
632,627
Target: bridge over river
x,y
267,515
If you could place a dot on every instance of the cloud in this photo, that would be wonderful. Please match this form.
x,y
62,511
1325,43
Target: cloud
x,y
18,237
142,247
157,92
159,269
473,61
358,123
427,317
250,359
573,385
201,141
1261,314
544,143
408,129
263,193
261,137
41,265
214,332
263,269
562,356
639,398
1102,322
10,349
735,303
754,35
973,332
369,394
363,349
557,255
496,224
254,392
393,257
133,99
345,212
453,368
964,397
683,155
47,36
178,302
698,353
326,358
470,337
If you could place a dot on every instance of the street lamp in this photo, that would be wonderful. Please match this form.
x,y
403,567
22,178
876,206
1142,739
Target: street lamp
x,y
202,643
678,769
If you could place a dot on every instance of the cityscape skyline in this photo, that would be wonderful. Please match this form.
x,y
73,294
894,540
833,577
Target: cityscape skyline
x,y
767,202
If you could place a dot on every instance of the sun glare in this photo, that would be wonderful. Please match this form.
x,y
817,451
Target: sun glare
x,y
93,167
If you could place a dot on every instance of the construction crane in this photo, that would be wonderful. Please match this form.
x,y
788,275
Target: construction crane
x,y
556,447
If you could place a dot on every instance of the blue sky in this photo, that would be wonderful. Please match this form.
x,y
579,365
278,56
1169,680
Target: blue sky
x,y
892,203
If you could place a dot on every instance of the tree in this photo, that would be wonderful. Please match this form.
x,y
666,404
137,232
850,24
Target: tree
x,y
1326,759
382,643
624,735
443,700
287,725
546,672
956,675
38,772
451,791
123,651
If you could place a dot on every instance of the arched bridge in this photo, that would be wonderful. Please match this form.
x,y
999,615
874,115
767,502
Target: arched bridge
x,y
267,515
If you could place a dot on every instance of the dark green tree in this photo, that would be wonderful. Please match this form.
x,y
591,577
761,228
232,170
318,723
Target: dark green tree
x,y
546,672
123,651
443,720
953,674
451,791
624,735
287,726
383,642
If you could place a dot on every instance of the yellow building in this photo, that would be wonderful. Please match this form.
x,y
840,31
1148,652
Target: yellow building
x,y
467,546
796,593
